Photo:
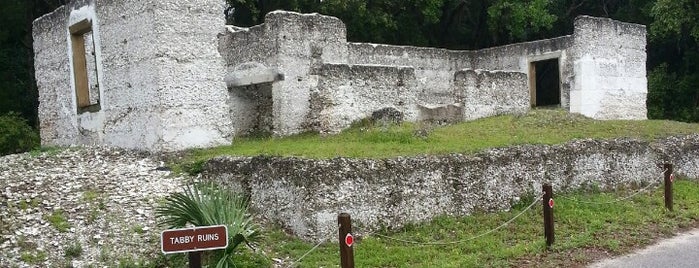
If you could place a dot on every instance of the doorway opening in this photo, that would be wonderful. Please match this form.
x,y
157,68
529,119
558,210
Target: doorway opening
x,y
545,83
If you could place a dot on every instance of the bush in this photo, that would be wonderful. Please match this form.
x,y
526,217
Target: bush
x,y
205,205
16,135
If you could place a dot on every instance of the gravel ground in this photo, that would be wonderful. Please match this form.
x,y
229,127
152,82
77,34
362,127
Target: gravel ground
x,y
81,207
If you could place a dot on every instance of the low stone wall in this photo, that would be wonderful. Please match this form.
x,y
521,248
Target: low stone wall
x,y
306,195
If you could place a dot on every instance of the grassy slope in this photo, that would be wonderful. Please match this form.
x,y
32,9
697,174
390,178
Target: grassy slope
x,y
536,127
584,232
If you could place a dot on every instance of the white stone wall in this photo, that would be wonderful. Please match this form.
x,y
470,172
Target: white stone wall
x,y
487,93
160,75
610,69
130,80
192,92
348,93
518,57
162,64
303,42
434,67
56,101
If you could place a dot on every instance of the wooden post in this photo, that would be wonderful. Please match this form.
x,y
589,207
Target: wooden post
x,y
194,259
668,185
548,215
346,252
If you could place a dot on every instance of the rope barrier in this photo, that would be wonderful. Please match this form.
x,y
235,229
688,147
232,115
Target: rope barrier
x,y
314,247
616,200
464,240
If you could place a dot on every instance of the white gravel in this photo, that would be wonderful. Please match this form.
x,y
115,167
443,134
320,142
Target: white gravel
x,y
107,196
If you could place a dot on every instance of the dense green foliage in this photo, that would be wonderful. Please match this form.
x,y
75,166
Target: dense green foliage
x,y
16,135
17,86
205,205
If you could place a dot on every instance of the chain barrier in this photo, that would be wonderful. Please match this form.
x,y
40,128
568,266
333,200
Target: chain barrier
x,y
616,200
536,200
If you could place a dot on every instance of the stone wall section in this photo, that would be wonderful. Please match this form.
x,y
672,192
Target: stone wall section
x,y
434,67
305,195
130,80
160,75
349,93
304,41
610,69
487,93
56,100
193,99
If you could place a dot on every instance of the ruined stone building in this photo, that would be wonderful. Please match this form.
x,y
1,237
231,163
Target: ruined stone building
x,y
165,75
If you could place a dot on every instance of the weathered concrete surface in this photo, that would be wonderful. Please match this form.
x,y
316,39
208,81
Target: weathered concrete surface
x,y
306,195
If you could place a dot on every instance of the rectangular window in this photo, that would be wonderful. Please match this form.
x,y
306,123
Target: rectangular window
x,y
84,66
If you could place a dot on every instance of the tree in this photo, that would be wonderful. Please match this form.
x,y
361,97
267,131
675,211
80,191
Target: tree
x,y
18,91
516,20
674,77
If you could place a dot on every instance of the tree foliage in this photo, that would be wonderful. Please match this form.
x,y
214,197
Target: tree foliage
x,y
17,87
516,20
16,135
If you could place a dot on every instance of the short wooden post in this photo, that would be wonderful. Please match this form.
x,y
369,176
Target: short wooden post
x,y
669,179
346,252
548,215
194,259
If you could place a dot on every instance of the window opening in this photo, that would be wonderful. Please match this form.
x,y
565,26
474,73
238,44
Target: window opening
x,y
85,66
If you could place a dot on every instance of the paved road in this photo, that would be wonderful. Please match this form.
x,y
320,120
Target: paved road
x,y
679,251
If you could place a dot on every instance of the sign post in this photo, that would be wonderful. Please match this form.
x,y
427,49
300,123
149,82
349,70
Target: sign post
x,y
548,215
669,178
194,240
346,241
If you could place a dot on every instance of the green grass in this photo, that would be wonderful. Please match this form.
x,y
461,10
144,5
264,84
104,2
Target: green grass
x,y
584,232
33,257
58,220
366,141
73,250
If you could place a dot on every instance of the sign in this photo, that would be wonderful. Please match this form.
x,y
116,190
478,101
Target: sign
x,y
551,202
349,240
672,177
194,239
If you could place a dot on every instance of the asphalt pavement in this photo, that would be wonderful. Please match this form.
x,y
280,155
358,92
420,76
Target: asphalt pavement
x,y
679,251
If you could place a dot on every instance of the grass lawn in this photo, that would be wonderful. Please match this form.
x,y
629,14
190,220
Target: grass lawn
x,y
584,232
372,141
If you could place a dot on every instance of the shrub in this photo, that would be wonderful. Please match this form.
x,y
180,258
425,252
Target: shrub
x,y
16,135
205,205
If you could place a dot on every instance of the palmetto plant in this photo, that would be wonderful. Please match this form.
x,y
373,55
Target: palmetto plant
x,y
204,205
